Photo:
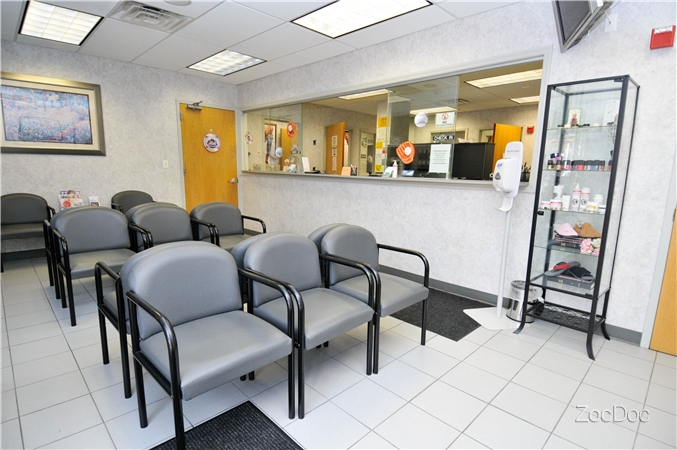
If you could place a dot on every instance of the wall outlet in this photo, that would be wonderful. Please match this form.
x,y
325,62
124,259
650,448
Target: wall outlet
x,y
165,164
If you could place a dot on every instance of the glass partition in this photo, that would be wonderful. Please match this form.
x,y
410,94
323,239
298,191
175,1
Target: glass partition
x,y
437,128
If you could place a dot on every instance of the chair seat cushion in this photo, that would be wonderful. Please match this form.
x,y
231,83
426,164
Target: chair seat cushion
x,y
21,230
328,314
396,293
216,349
82,264
229,241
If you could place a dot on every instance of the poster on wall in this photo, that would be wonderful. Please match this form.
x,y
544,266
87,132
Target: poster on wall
x,y
70,198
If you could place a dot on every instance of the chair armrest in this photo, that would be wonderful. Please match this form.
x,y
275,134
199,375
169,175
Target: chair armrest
x,y
145,233
61,248
213,230
426,266
50,212
135,301
258,277
372,277
255,219
100,267
47,231
117,207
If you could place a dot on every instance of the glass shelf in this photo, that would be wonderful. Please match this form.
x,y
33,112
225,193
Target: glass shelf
x,y
571,212
607,128
558,247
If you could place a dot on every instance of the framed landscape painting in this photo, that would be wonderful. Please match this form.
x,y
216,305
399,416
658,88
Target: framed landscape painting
x,y
46,115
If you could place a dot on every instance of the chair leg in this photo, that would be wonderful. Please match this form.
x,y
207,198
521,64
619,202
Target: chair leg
x,y
302,383
370,346
140,394
291,397
104,338
377,324
71,300
326,344
424,320
251,376
178,418
124,354
243,377
49,269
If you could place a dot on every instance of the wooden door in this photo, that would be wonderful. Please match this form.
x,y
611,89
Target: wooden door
x,y
664,336
208,176
333,145
503,134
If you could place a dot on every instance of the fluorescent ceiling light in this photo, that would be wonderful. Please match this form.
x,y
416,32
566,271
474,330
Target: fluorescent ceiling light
x,y
226,62
364,94
345,16
532,99
508,78
57,24
440,109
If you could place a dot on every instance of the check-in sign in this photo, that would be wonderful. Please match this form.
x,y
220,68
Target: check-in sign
x,y
446,119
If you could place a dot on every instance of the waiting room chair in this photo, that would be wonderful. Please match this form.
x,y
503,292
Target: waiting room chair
x,y
188,330
82,237
322,314
158,223
393,293
226,219
21,221
126,200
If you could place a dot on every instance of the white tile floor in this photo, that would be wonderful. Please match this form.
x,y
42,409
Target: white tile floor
x,y
489,390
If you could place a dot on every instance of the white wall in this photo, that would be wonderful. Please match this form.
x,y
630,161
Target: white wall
x,y
459,229
140,125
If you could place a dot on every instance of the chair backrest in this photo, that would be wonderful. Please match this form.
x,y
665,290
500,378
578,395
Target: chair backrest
x,y
240,249
129,199
317,235
226,217
165,221
287,257
92,228
185,281
23,208
351,242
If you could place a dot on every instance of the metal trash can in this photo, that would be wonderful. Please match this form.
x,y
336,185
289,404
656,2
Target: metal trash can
x,y
517,297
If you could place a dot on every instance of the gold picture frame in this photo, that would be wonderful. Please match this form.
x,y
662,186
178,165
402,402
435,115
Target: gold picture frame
x,y
50,116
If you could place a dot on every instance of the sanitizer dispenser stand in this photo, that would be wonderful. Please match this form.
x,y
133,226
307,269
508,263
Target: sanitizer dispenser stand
x,y
506,181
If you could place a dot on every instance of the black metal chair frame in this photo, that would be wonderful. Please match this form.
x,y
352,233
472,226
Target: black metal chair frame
x,y
118,322
300,333
377,281
147,236
173,385
214,231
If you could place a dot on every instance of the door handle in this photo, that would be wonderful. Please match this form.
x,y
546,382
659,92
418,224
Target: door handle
x,y
233,180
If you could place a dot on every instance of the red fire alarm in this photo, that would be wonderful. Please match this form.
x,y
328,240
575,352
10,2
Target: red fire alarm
x,y
662,37
530,130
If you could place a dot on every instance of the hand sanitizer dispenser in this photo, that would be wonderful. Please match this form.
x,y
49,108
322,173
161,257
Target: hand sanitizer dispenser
x,y
507,173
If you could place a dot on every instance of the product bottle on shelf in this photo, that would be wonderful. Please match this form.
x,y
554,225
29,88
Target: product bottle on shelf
x,y
576,197
395,169
585,196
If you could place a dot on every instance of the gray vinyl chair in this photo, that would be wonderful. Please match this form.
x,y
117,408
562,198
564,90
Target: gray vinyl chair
x,y
126,200
393,293
158,223
226,219
322,314
84,236
188,330
22,223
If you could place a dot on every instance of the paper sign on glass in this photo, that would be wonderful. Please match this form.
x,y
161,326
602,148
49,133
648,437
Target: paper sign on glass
x,y
439,158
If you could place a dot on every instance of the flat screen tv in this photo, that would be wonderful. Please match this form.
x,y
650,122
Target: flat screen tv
x,y
575,19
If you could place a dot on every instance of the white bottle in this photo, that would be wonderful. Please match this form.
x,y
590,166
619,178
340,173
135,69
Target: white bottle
x,y
575,197
395,169
585,196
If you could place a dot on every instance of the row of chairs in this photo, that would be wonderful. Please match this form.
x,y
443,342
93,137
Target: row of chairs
x,y
300,293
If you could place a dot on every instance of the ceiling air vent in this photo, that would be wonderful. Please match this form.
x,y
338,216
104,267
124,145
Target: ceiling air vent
x,y
149,16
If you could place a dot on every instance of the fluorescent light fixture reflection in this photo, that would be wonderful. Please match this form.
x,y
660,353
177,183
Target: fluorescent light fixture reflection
x,y
226,62
532,99
345,16
364,94
507,79
440,109
57,24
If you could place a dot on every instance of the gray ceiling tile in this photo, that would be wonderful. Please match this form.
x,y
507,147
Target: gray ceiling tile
x,y
123,40
176,53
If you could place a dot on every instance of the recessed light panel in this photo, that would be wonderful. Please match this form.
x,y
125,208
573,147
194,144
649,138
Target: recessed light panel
x,y
57,24
345,16
533,99
226,62
364,94
508,78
